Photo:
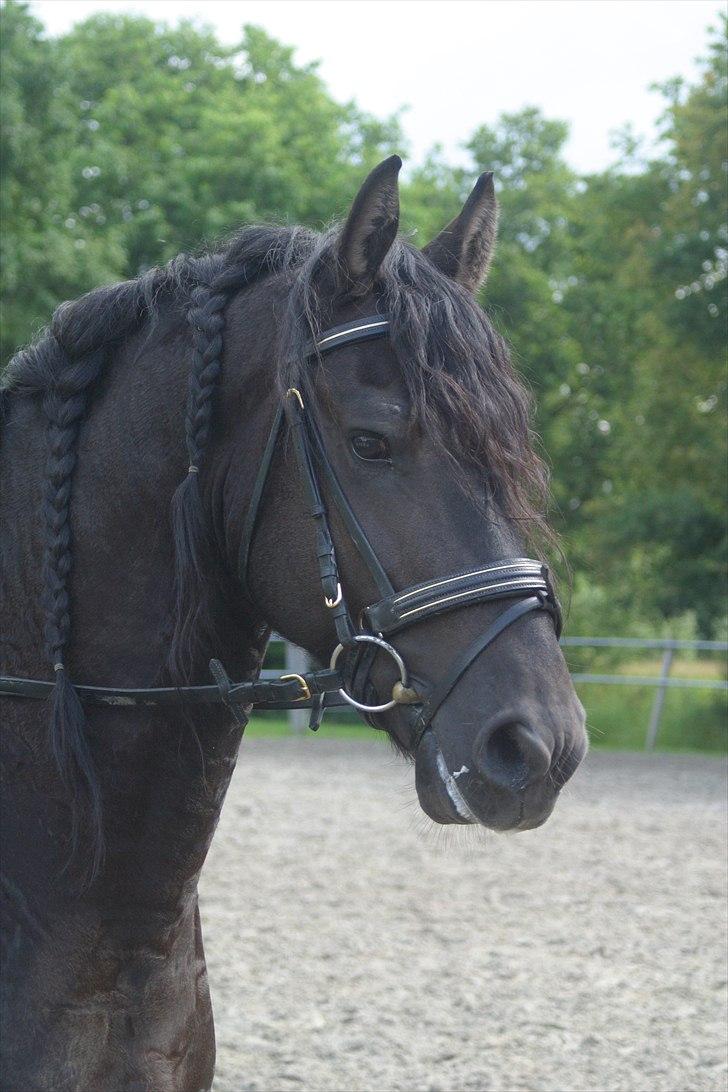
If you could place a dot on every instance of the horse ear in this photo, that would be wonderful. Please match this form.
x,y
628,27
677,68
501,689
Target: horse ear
x,y
464,248
370,228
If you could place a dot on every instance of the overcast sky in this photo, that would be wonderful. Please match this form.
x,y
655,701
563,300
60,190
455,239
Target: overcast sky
x,y
458,63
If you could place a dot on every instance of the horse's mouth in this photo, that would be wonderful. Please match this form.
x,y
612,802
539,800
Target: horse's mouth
x,y
437,788
443,801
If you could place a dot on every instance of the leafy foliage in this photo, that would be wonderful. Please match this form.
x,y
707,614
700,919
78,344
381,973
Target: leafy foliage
x,y
126,142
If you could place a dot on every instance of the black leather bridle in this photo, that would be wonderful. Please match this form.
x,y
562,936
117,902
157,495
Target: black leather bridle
x,y
346,681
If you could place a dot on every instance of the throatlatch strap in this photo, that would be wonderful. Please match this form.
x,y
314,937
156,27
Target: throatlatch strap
x,y
251,518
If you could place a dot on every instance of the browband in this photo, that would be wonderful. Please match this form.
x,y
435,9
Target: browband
x,y
359,330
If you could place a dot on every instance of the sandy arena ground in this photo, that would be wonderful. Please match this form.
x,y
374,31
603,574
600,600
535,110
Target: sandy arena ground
x,y
353,945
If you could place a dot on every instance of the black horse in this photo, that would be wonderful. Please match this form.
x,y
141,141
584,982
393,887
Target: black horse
x,y
109,813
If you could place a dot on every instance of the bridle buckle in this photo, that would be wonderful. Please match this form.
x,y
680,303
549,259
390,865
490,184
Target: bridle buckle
x,y
331,603
305,694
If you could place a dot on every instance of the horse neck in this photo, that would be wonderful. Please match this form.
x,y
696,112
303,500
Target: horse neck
x,y
163,773
117,971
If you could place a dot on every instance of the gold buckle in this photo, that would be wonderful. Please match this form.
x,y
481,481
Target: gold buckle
x,y
331,603
305,694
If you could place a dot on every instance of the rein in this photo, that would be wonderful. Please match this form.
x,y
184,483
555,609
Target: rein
x,y
522,579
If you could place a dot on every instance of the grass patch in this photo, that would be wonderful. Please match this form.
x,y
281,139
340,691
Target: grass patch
x,y
270,727
692,720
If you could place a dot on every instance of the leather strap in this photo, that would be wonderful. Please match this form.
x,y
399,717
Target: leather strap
x,y
325,553
502,580
348,515
261,693
363,329
460,665
251,518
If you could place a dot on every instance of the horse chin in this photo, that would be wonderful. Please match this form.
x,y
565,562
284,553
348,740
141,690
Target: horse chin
x,y
437,788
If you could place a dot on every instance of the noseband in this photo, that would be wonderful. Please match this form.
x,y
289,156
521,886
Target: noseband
x,y
347,678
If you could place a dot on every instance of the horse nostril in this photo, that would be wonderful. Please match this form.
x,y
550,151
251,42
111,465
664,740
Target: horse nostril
x,y
512,755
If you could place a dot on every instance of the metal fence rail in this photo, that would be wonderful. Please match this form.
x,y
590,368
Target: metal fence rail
x,y
640,642
663,682
297,660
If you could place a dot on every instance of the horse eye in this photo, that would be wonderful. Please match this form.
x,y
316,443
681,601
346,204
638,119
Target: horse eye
x,y
370,447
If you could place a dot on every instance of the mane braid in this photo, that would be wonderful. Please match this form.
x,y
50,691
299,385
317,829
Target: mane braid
x,y
62,367
64,406
255,253
193,623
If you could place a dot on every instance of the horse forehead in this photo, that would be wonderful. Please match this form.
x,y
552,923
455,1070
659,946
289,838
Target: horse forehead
x,y
372,365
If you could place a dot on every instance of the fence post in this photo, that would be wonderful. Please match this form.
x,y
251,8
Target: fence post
x,y
656,713
296,663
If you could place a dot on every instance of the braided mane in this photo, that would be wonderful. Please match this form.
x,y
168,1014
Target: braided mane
x,y
62,368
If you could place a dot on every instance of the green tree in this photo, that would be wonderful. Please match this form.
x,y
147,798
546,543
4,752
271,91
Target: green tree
x,y
125,141
128,141
46,253
651,259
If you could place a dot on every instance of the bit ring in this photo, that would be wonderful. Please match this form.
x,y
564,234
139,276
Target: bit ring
x,y
367,638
